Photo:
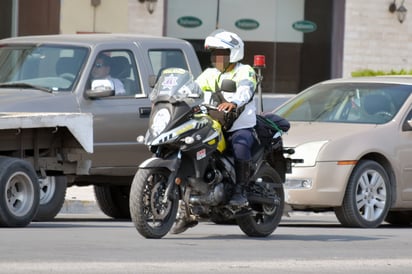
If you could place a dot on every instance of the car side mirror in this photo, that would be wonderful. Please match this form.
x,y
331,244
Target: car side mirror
x,y
101,88
409,122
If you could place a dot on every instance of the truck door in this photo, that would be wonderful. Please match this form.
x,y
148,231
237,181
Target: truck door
x,y
118,119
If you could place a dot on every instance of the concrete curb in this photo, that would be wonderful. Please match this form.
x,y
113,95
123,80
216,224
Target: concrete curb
x,y
79,207
80,200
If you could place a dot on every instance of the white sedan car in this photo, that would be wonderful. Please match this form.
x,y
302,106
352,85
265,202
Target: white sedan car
x,y
355,138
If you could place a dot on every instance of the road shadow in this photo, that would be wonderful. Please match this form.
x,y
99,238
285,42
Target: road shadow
x,y
86,221
333,232
278,237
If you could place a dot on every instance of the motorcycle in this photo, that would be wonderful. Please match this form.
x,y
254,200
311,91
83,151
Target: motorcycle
x,y
192,166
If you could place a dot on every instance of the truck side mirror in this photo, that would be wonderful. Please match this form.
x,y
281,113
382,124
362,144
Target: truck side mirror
x,y
101,88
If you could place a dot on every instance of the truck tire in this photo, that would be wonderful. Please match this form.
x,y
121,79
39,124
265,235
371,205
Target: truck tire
x,y
113,200
52,195
19,192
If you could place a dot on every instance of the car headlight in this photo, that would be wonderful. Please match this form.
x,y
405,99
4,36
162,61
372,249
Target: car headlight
x,y
308,152
160,120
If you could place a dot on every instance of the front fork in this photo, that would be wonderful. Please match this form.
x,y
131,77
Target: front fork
x,y
174,168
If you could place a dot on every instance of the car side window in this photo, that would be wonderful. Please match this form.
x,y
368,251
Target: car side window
x,y
122,70
166,58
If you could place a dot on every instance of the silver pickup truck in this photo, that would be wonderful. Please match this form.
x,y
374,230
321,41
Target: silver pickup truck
x,y
58,74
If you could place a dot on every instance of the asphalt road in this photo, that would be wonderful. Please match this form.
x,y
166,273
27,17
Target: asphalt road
x,y
303,243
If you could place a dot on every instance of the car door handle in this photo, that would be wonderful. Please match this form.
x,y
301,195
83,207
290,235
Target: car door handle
x,y
144,112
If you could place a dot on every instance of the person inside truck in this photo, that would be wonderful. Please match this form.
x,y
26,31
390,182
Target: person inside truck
x,y
227,50
101,70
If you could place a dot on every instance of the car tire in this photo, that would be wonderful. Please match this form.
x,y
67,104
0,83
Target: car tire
x,y
367,198
19,188
52,196
113,201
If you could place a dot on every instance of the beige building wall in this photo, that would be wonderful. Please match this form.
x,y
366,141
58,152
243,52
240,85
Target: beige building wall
x,y
374,38
116,16
141,21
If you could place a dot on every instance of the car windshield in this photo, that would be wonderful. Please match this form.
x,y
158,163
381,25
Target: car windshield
x,y
43,67
375,103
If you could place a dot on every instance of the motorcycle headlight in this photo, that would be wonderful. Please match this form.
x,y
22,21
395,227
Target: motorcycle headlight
x,y
160,120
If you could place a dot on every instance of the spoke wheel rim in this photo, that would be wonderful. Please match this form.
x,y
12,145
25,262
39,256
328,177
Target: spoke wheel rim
x,y
47,189
19,194
371,195
155,209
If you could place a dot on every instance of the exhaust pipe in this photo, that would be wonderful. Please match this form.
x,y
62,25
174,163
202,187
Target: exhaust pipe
x,y
254,199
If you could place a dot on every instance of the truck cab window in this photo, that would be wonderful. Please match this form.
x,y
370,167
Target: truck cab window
x,y
120,67
161,59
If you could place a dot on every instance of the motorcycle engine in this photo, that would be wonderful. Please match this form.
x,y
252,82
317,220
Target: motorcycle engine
x,y
215,196
213,176
215,190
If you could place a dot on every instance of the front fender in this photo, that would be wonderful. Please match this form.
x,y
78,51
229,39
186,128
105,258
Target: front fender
x,y
172,165
153,162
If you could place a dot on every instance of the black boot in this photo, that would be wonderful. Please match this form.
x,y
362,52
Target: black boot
x,y
184,219
242,169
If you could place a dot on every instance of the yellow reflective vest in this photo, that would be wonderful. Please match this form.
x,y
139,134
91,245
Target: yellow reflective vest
x,y
245,78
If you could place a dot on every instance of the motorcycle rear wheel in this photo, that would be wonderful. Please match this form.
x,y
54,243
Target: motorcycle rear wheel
x,y
268,217
151,216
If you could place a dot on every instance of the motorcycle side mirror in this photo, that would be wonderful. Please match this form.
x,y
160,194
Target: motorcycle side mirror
x,y
228,85
152,80
194,96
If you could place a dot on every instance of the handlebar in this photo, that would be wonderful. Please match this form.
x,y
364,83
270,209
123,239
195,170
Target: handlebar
x,y
215,108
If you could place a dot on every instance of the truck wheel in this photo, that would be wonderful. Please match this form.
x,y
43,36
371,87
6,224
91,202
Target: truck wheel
x,y
19,192
113,200
52,195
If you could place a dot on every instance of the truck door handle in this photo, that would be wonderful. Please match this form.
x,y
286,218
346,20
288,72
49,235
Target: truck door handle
x,y
144,112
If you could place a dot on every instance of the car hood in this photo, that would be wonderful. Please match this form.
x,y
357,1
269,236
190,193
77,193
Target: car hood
x,y
31,100
304,132
315,142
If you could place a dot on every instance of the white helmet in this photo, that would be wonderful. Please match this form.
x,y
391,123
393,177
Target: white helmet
x,y
221,39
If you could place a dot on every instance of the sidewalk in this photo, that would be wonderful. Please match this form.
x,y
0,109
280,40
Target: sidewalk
x,y
80,200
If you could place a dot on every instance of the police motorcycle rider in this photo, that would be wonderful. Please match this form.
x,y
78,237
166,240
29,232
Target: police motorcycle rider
x,y
227,50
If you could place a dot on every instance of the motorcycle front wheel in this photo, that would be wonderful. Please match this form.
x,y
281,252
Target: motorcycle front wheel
x,y
267,217
152,217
